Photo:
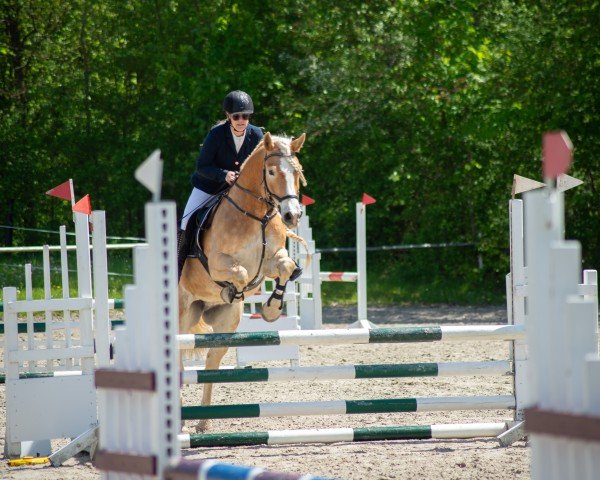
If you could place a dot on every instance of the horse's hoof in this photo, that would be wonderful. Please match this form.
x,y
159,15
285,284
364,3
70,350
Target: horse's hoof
x,y
228,294
202,426
296,273
270,313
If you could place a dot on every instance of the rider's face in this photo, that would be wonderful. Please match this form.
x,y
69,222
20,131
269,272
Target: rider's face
x,y
239,120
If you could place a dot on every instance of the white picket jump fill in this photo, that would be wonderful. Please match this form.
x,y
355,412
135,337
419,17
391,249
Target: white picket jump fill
x,y
308,285
311,314
517,291
126,427
54,406
562,325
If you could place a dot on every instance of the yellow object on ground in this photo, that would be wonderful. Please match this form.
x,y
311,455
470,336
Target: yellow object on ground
x,y
17,462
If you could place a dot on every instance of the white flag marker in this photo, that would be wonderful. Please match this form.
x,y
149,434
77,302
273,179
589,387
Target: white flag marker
x,y
565,182
149,174
523,184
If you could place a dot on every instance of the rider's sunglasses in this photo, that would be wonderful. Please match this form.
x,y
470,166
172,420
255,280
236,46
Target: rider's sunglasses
x,y
236,116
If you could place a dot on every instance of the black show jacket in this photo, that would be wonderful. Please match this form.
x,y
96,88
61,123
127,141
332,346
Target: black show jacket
x,y
218,156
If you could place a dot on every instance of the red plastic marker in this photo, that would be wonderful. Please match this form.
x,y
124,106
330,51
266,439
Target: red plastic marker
x,y
367,199
63,191
557,150
83,206
306,200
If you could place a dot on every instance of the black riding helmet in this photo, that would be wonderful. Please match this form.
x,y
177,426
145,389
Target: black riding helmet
x,y
238,102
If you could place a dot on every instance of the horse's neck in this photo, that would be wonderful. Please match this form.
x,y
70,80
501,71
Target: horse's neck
x,y
251,178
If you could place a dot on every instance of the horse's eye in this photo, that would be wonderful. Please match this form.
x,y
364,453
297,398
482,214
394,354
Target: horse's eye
x,y
272,172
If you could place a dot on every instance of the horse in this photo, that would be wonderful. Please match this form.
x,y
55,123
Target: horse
x,y
244,244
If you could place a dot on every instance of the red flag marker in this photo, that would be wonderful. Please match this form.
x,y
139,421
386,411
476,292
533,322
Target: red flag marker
x,y
83,206
306,200
64,191
367,199
557,150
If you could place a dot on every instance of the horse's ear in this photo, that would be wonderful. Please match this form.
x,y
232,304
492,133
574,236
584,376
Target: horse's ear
x,y
297,143
268,142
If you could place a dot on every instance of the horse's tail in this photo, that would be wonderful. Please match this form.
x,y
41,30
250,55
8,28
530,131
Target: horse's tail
x,y
299,239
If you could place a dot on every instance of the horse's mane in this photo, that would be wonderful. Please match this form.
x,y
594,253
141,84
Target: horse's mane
x,y
283,143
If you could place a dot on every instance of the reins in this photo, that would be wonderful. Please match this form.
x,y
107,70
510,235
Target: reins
x,y
264,221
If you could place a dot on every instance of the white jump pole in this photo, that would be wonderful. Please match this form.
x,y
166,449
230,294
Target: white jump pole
x,y
361,260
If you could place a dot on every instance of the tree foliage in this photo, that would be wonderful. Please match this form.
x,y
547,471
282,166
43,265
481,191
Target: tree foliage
x,y
429,105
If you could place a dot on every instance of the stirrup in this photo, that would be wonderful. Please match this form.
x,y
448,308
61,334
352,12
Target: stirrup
x,y
296,273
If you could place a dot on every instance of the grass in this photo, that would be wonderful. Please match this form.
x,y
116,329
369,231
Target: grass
x,y
384,289
393,278
416,278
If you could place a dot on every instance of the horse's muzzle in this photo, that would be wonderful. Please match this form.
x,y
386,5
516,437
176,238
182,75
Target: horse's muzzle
x,y
290,220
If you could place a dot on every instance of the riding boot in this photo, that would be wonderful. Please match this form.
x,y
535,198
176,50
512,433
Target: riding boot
x,y
182,251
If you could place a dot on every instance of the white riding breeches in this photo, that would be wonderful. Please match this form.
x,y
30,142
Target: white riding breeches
x,y
198,199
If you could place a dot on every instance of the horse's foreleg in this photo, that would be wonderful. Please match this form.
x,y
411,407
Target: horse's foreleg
x,y
226,268
190,312
213,361
280,268
222,319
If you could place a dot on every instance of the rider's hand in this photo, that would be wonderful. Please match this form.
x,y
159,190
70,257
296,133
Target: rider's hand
x,y
230,177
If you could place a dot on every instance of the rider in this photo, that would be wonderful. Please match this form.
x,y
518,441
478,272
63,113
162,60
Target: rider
x,y
223,151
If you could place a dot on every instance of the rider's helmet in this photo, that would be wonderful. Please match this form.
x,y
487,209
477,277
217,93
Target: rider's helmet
x,y
238,102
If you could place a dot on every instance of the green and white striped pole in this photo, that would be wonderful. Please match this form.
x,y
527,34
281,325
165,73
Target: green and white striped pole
x,y
346,372
352,336
333,435
346,407
332,372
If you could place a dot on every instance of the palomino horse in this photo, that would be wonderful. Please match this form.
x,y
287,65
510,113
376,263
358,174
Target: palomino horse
x,y
244,244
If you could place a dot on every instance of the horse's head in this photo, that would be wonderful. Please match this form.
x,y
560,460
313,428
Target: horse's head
x,y
283,174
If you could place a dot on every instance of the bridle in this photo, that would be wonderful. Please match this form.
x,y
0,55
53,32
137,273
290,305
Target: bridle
x,y
272,211
271,194
268,198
